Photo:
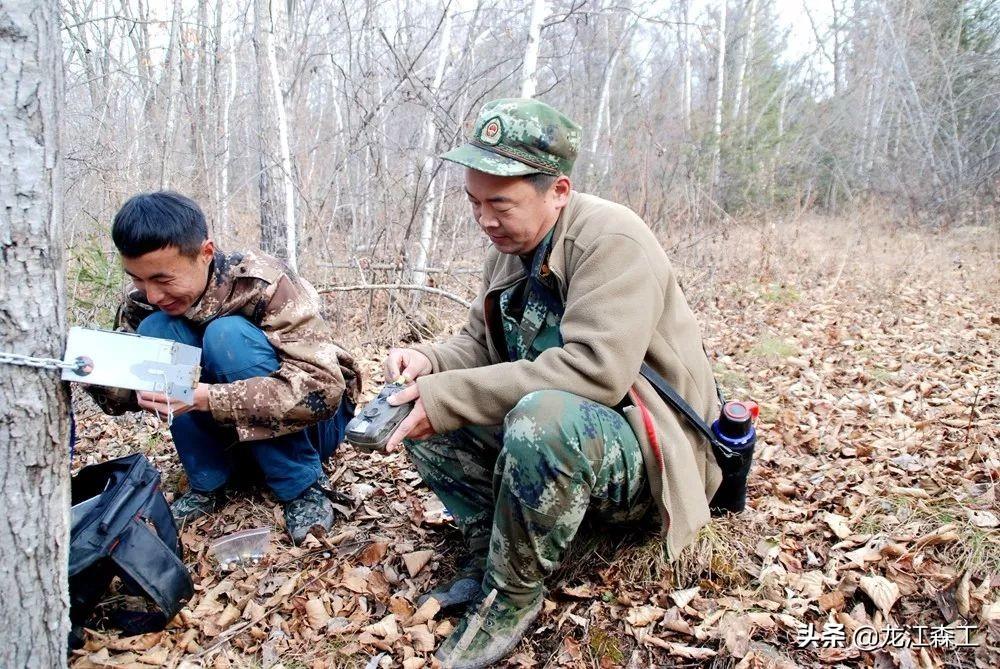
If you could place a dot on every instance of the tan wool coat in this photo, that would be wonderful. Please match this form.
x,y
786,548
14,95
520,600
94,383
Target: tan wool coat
x,y
623,306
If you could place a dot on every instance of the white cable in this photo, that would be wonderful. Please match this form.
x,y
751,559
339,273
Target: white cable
x,y
170,409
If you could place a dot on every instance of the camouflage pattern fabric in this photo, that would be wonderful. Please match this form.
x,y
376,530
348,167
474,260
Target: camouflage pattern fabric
x,y
530,310
521,490
314,374
517,136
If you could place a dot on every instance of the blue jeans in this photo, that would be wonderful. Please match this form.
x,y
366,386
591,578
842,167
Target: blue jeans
x,y
232,349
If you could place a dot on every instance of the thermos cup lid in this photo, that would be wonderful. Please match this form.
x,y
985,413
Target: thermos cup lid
x,y
736,419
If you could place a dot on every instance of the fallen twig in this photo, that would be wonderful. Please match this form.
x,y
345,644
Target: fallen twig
x,y
397,286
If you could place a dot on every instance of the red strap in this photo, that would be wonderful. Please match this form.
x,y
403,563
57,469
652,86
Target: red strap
x,y
647,421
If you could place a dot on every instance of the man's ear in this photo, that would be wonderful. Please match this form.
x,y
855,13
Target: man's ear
x,y
561,189
207,251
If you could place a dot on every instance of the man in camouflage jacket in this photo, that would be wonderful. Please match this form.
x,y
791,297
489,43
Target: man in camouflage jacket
x,y
535,414
274,384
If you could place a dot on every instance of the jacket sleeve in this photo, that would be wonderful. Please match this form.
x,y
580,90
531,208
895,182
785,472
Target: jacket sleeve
x,y
614,301
467,348
308,384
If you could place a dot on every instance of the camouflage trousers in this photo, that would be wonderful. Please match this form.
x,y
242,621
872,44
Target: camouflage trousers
x,y
519,492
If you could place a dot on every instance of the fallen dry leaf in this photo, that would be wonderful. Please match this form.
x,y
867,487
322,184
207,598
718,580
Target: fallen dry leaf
x,y
416,561
981,518
831,601
230,615
316,614
387,627
426,612
680,650
423,640
640,616
736,634
672,620
962,593
373,553
156,657
881,590
356,579
838,524
683,597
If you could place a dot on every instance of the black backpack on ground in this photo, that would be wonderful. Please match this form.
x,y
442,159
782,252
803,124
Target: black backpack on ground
x,y
121,526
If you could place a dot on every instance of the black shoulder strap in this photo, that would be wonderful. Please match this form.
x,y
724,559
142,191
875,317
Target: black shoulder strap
x,y
673,398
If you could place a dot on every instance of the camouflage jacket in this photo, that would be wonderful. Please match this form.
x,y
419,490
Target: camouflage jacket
x,y
314,372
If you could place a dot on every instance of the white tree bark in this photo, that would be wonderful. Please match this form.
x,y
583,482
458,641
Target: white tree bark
x,y
430,141
223,196
529,70
603,99
172,79
34,455
720,75
741,88
291,239
685,45
277,190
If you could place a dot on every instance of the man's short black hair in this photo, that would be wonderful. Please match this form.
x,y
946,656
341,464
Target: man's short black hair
x,y
541,181
152,221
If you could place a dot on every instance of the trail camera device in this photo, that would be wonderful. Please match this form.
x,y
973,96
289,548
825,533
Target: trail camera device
x,y
125,360
371,429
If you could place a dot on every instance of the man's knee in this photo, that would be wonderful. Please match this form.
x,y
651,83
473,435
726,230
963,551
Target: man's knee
x,y
539,405
540,415
232,343
163,326
157,324
539,427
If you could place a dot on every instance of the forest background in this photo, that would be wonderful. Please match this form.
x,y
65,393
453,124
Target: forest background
x,y
312,126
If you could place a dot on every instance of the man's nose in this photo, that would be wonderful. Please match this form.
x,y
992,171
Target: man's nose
x,y
153,296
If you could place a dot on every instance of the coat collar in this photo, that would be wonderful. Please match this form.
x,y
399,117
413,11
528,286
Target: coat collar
x,y
557,259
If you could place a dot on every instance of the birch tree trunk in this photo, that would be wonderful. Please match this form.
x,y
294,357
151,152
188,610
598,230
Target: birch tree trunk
x,y
838,65
685,44
34,457
741,88
529,70
223,171
603,99
277,191
172,82
430,141
201,83
720,74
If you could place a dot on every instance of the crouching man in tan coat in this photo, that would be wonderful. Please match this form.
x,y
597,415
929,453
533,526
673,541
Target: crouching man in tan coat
x,y
536,414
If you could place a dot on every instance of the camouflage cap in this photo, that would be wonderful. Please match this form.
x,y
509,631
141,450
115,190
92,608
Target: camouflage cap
x,y
519,136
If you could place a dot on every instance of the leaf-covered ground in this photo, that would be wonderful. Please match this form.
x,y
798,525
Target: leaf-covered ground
x,y
875,497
